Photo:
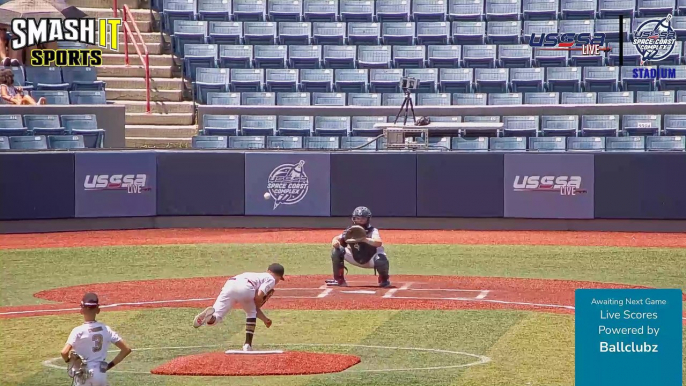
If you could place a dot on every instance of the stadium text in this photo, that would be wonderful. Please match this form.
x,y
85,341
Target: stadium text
x,y
654,73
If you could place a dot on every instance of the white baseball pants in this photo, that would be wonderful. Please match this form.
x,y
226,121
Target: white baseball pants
x,y
349,258
235,292
96,377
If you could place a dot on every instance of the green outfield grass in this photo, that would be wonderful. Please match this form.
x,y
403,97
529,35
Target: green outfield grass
x,y
527,348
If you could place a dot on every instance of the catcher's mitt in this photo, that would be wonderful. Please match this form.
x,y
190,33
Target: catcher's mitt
x,y
355,234
266,297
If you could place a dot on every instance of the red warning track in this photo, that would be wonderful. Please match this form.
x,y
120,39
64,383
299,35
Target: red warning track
x,y
309,293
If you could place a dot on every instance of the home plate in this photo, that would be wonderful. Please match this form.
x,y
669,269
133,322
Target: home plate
x,y
359,292
253,352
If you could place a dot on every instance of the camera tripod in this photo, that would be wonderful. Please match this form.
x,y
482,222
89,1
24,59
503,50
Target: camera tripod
x,y
407,106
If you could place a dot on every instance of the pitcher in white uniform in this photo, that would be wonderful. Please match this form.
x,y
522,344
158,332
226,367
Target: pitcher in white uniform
x,y
87,345
248,290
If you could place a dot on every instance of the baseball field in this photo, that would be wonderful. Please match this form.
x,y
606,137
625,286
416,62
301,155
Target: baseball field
x,y
465,308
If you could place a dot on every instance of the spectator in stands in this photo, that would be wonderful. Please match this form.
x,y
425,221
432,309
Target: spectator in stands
x,y
14,94
5,50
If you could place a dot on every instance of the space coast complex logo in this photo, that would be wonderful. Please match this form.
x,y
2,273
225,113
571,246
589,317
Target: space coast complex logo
x,y
288,184
655,39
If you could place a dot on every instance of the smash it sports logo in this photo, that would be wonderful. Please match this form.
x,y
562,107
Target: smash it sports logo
x,y
564,185
131,183
288,184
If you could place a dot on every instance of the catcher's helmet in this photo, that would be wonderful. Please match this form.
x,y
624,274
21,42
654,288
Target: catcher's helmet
x,y
362,211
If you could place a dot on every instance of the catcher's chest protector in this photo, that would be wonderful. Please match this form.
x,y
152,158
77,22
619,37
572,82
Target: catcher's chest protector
x,y
363,252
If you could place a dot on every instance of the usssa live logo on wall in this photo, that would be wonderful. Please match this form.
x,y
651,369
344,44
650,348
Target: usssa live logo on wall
x,y
288,184
131,183
562,185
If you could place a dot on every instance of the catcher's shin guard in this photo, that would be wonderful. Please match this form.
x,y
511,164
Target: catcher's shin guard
x,y
338,262
381,265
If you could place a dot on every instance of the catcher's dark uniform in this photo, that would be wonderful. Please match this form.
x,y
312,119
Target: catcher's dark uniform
x,y
362,255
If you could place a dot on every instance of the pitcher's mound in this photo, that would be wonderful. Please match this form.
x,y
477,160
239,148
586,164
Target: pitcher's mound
x,y
287,363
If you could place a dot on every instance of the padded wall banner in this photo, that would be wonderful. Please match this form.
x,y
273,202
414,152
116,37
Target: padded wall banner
x,y
556,186
287,184
116,184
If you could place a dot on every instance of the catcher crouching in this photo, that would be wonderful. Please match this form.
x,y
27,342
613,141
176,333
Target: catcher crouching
x,y
361,246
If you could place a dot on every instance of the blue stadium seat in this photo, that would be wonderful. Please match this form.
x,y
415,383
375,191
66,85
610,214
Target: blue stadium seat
x,y
210,80
429,10
460,80
581,59
681,96
282,80
469,99
45,78
331,126
267,56
542,98
550,58
304,56
505,99
504,32
396,99
259,32
520,126
82,78
364,33
357,10
486,119
225,32
425,99
364,99
225,125
355,142
285,11
540,10
328,33
340,56
209,142
5,143
402,33
328,99
599,126
491,79
284,142
641,124
631,55
479,56
578,26
322,143
177,10
364,126
675,124
585,144
258,125
316,80
538,27
655,8
66,142
29,142
12,125
295,32
636,143
320,10
293,99
547,144
527,80
579,98
258,99
468,32
676,83
247,142
433,32
466,10
675,57
679,25
199,55
39,124
629,83
427,77
577,9
72,45
559,125
351,81
681,7
515,55
612,9
246,80
666,143
444,56
438,143
597,79
188,32
214,10
393,10
409,56
235,56
610,27
564,79
503,9
57,97
373,56
656,97
249,11
507,143
616,97
224,98
295,125
85,125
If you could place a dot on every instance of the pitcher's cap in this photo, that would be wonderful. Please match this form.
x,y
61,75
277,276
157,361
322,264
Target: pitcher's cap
x,y
277,269
90,300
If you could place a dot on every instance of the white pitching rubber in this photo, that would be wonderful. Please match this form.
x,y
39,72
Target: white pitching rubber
x,y
253,352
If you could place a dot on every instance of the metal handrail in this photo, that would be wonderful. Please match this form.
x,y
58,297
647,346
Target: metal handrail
x,y
127,16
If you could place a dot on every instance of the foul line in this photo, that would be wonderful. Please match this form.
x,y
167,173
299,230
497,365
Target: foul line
x,y
390,292
325,291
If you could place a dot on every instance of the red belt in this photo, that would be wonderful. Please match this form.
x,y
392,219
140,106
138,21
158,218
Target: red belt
x,y
251,283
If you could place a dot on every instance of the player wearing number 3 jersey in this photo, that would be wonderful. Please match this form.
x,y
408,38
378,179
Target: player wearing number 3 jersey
x,y
87,345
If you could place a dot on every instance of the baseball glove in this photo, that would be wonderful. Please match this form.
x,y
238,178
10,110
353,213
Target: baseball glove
x,y
355,234
266,297
75,368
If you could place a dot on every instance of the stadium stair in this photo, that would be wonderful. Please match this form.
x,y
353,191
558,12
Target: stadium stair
x,y
171,122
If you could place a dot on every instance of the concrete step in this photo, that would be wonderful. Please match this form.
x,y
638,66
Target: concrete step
x,y
132,107
139,83
139,15
140,95
155,60
134,71
153,49
133,4
158,143
148,37
160,131
158,119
